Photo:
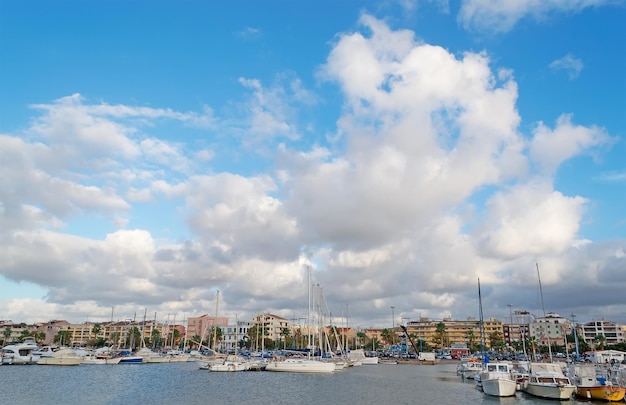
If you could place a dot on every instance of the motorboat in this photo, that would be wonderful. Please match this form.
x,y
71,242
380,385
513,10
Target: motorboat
x,y
300,365
547,380
469,367
61,357
497,379
591,384
20,353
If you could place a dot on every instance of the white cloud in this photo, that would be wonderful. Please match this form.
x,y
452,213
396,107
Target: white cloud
x,y
549,148
501,16
426,187
570,64
530,219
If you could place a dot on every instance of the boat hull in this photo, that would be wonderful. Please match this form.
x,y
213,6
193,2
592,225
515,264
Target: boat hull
x,y
66,361
499,387
300,366
550,391
602,393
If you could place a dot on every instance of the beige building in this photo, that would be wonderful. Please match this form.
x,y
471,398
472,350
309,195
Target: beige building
x,y
273,325
613,332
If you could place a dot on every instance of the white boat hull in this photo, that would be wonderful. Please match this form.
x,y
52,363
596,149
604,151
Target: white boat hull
x,y
300,366
499,387
550,391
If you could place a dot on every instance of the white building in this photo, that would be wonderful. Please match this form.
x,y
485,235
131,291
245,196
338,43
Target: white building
x,y
551,329
233,334
613,332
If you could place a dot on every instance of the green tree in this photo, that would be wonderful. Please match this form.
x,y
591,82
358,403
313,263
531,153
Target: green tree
x,y
114,338
361,337
600,340
62,337
385,334
284,332
496,340
133,337
7,335
470,338
25,334
440,334
96,330
155,337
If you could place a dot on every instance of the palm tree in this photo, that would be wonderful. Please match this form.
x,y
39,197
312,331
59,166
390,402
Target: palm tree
x,y
361,335
284,332
7,334
96,330
441,334
25,334
114,338
155,335
386,335
532,342
470,337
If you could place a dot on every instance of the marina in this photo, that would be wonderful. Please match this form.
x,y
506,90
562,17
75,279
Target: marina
x,y
185,383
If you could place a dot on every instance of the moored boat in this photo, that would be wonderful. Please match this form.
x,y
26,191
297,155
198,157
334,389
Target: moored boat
x,y
591,385
20,353
62,357
497,380
300,365
547,380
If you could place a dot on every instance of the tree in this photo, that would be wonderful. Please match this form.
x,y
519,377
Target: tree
x,y
114,338
96,330
470,338
155,336
176,337
441,333
25,334
496,341
532,342
254,336
284,332
600,340
7,334
361,337
133,337
39,337
386,335
62,337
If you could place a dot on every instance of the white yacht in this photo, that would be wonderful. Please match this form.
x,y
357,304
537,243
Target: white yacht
x,y
20,353
300,365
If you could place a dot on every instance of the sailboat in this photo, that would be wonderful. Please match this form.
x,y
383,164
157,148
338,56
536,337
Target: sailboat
x,y
302,364
547,380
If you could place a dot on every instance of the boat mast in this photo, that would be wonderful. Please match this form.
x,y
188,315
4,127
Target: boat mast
x,y
543,307
481,326
217,302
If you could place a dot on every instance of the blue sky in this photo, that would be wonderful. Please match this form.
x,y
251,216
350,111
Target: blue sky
x,y
154,152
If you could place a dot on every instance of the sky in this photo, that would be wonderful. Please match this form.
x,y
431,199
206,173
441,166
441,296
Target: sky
x,y
155,152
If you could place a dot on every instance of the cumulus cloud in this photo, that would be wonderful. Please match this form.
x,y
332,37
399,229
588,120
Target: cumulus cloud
x,y
502,16
549,148
568,63
428,185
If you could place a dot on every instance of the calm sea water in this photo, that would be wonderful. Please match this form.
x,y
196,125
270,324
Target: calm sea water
x,y
185,383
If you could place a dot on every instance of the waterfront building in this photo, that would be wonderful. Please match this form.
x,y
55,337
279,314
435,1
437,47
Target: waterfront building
x,y
457,332
233,334
551,329
201,325
273,326
613,332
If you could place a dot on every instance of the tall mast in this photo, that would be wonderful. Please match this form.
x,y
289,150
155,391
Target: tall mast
x,y
544,311
217,302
